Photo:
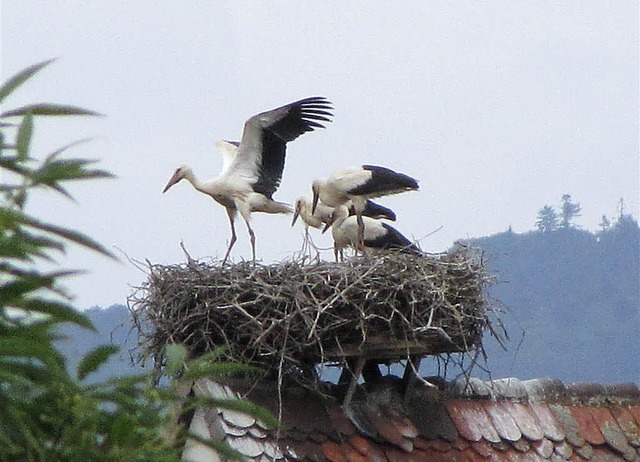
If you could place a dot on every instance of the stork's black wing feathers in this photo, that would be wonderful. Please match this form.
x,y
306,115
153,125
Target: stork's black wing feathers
x,y
393,239
280,126
384,181
294,119
374,210
270,171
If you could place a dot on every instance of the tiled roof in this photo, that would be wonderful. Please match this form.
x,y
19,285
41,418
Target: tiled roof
x,y
501,420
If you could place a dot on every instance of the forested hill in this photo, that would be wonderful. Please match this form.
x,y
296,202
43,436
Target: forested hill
x,y
573,302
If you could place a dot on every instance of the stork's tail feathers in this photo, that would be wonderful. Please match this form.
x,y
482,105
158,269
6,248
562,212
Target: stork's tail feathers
x,y
278,207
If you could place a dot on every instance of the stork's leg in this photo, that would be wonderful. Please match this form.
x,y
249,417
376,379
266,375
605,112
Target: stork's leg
x,y
232,215
360,243
252,237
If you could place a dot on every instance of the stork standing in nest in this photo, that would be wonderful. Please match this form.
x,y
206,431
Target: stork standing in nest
x,y
322,215
252,169
377,234
356,185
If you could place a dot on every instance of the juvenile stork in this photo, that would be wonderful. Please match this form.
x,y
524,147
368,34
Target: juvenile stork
x,y
377,234
357,185
322,214
252,169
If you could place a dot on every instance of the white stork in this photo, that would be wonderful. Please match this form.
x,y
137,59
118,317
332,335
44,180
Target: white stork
x,y
377,234
358,184
252,169
322,214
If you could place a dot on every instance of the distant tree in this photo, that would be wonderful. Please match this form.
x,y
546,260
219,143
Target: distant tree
x,y
547,220
621,207
605,224
569,211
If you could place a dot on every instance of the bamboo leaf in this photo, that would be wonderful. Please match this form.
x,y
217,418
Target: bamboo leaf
x,y
12,291
201,370
24,137
21,77
11,218
61,312
53,171
93,360
176,356
50,109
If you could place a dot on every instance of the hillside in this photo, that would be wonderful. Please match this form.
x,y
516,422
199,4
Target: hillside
x,y
572,300
573,303
113,326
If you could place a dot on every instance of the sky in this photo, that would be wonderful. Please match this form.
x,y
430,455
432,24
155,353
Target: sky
x,y
497,108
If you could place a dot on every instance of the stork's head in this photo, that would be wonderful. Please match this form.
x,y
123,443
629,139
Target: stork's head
x,y
181,172
338,216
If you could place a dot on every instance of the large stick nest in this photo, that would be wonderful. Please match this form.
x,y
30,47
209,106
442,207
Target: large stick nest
x,y
384,307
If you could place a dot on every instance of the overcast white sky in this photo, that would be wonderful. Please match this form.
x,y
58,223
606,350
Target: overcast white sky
x,y
498,108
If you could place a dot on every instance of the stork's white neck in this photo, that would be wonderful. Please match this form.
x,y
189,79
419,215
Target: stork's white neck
x,y
195,182
340,214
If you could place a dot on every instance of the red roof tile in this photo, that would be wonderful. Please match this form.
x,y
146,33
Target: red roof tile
x,y
353,455
376,455
547,421
635,411
334,452
483,448
627,423
543,447
360,444
471,420
571,426
502,421
563,449
525,420
388,429
588,427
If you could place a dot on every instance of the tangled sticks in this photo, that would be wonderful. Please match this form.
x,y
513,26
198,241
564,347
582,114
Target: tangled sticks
x,y
297,313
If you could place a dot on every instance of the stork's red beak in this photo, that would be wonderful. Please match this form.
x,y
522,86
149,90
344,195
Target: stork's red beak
x,y
174,179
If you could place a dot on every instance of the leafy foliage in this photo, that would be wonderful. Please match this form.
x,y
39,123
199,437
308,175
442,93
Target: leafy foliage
x,y
547,219
46,412
568,211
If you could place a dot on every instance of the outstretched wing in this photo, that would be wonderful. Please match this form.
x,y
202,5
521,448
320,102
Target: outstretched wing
x,y
229,150
261,154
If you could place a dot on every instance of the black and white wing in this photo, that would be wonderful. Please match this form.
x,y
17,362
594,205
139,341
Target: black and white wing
x,y
382,181
391,238
261,154
377,211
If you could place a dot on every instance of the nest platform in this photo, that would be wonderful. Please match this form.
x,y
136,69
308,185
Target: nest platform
x,y
386,307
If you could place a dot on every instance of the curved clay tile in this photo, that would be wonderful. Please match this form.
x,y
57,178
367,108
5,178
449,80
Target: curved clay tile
x,y
525,420
502,421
